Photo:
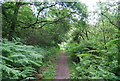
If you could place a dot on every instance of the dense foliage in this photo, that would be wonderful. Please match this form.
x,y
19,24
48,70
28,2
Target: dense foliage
x,y
95,53
92,62
34,31
22,61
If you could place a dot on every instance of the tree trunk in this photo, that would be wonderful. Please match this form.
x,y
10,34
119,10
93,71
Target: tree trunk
x,y
103,32
86,33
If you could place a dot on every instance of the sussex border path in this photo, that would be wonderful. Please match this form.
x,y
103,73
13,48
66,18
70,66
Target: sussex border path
x,y
62,68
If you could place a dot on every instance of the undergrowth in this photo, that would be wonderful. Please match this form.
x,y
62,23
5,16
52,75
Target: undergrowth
x,y
21,61
92,61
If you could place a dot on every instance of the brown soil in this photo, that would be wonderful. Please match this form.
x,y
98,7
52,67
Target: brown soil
x,y
62,69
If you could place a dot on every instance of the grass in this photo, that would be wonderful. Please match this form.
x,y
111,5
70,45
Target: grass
x,y
72,68
50,67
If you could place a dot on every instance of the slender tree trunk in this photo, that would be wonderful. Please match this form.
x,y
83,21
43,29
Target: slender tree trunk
x,y
86,33
103,31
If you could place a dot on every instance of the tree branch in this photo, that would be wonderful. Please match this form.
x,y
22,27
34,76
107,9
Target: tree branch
x,y
110,20
21,3
39,13
56,20
50,22
43,9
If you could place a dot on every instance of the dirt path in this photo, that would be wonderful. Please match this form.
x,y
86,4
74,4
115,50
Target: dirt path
x,y
62,69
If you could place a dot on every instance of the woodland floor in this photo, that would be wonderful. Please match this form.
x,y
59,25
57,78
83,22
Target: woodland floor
x,y
62,68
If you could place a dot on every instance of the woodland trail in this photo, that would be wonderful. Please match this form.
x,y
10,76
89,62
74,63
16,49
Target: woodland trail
x,y
62,69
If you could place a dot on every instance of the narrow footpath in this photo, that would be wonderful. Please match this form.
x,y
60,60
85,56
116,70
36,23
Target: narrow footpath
x,y
62,69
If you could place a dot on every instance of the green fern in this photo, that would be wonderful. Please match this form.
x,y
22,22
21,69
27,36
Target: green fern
x,y
20,61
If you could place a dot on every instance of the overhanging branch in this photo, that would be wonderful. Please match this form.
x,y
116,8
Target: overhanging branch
x,y
48,22
39,13
56,20
110,20
45,8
